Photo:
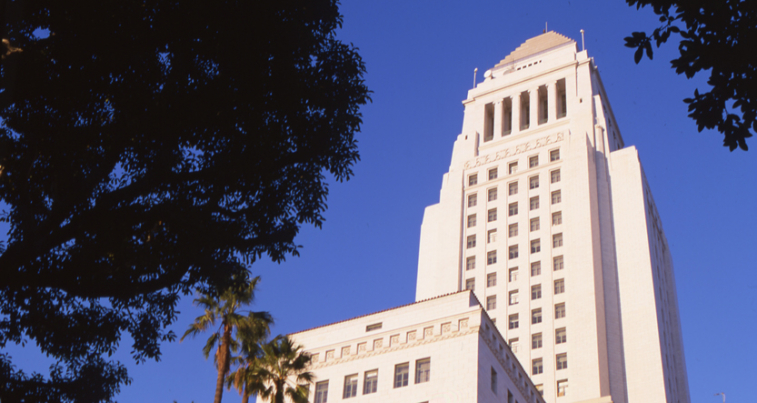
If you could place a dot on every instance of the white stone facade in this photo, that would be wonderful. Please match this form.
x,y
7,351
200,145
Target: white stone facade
x,y
548,216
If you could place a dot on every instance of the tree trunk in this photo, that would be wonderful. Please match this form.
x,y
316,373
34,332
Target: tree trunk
x,y
245,396
223,361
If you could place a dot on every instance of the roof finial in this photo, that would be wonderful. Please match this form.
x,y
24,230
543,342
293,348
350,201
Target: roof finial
x,y
545,28
474,76
583,47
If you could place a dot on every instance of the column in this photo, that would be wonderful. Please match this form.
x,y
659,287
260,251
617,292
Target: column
x,y
533,98
497,129
515,105
551,101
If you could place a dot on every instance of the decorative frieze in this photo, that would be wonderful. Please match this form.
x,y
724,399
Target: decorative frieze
x,y
515,150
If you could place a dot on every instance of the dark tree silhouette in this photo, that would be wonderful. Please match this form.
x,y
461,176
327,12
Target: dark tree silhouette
x,y
146,149
718,36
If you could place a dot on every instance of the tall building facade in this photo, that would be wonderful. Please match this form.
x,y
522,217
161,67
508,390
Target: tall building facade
x,y
548,218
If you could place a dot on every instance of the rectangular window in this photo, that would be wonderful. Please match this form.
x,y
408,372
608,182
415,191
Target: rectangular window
x,y
370,384
513,252
401,375
559,286
562,361
470,263
491,279
472,200
556,197
372,327
513,343
471,241
562,387
533,161
534,203
321,392
512,168
493,173
533,182
494,381
554,176
554,155
471,220
561,336
350,386
535,225
491,257
423,370
491,235
537,366
560,311
514,297
492,194
540,389
492,215
470,284
557,218
513,324
536,246
536,316
557,240
536,341
512,189
512,209
491,302
512,230
472,179
535,269
513,274
535,292
557,263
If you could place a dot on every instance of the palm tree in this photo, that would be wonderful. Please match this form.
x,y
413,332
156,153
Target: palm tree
x,y
280,372
227,310
245,378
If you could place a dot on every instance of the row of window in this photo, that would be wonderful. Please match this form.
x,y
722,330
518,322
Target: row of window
x,y
537,364
512,251
512,168
492,194
491,278
491,301
536,316
512,210
561,336
370,380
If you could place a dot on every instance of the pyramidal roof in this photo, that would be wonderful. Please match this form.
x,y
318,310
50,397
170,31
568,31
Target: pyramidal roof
x,y
535,45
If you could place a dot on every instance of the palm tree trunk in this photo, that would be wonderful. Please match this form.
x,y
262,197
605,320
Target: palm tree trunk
x,y
245,397
223,361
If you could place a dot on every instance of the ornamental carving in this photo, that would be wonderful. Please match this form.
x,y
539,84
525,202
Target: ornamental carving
x,y
428,332
345,351
394,340
463,324
515,150
377,344
411,336
330,355
446,327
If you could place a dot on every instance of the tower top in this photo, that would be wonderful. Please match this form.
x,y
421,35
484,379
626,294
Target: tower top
x,y
535,45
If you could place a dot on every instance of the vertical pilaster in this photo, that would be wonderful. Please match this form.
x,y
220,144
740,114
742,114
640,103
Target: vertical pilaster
x,y
515,105
551,101
497,130
533,98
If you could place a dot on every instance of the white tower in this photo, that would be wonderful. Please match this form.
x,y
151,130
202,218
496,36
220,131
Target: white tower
x,y
549,218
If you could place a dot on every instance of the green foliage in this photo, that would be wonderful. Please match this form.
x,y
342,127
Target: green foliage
x,y
280,373
149,148
718,36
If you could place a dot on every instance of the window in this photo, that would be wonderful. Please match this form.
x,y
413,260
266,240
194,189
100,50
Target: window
x,y
561,336
554,155
554,176
470,284
513,252
534,203
401,375
512,209
491,302
492,215
513,324
491,257
562,361
535,246
510,398
491,235
471,220
472,200
470,263
536,341
556,197
560,311
514,297
533,161
557,218
562,387
471,241
423,370
321,392
559,286
535,292
557,263
375,326
494,381
370,384
537,366
557,240
472,179
533,182
535,269
491,279
513,274
350,386
493,173
512,168
492,194
536,316
512,230
512,189
540,389
535,224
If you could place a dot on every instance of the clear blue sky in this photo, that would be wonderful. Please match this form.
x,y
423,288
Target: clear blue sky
x,y
420,57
